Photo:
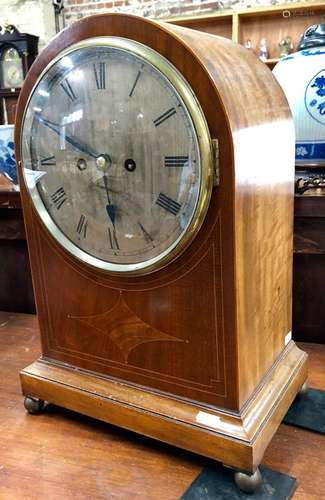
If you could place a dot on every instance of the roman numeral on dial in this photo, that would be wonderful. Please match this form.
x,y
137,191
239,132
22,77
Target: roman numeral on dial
x,y
168,204
50,160
170,112
68,89
100,75
82,226
59,197
176,161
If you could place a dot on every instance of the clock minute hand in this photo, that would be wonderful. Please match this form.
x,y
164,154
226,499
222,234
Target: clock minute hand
x,y
71,140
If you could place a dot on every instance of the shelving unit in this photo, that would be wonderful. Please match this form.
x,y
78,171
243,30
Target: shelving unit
x,y
272,22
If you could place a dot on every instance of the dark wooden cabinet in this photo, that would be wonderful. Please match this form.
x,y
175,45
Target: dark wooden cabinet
x,y
16,291
309,269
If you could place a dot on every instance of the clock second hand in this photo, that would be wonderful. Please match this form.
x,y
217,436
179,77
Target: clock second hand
x,y
71,140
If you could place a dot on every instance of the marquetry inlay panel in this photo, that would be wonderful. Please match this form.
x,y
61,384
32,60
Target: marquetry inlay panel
x,y
121,331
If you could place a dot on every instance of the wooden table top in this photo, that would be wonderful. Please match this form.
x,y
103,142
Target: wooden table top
x,y
63,455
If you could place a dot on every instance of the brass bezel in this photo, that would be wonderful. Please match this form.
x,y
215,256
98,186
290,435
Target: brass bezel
x,y
205,148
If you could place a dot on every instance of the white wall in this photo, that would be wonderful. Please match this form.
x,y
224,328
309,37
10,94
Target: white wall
x,y
35,17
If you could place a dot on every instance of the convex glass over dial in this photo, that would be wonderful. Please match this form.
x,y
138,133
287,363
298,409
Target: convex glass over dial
x,y
116,154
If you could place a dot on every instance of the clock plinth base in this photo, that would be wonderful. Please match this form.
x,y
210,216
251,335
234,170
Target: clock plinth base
x,y
236,439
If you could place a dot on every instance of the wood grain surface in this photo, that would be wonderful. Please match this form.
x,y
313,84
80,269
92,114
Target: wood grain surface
x,y
263,202
61,454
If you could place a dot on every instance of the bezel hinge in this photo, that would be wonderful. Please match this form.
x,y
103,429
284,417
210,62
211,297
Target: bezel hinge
x,y
216,166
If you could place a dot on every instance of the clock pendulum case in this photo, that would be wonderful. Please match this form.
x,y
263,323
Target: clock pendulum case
x,y
156,168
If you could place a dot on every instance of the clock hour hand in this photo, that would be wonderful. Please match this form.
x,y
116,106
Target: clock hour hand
x,y
55,127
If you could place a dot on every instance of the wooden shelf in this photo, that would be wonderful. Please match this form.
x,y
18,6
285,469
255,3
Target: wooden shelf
x,y
272,62
272,22
10,199
200,18
219,23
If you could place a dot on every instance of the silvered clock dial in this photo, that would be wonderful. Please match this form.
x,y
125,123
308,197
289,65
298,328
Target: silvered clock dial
x,y
117,155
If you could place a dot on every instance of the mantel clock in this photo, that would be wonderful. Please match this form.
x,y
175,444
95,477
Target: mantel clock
x,y
156,166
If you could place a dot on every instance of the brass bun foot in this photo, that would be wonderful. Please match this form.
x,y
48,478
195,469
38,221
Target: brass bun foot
x,y
33,405
249,483
303,390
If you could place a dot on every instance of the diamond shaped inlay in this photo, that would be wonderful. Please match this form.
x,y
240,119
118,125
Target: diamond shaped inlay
x,y
125,328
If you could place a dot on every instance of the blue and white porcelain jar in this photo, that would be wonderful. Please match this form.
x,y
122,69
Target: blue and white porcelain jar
x,y
302,77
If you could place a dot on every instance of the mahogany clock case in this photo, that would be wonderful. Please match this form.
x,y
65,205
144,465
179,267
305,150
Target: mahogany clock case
x,y
195,353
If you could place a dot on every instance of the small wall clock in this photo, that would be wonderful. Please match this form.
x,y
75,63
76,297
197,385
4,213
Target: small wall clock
x,y
157,185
